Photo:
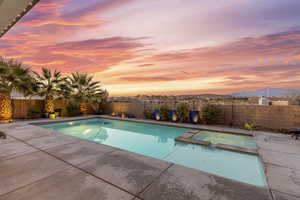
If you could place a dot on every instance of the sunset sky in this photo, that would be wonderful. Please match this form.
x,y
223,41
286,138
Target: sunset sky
x,y
164,46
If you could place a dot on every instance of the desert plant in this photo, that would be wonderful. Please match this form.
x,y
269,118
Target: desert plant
x,y
250,126
73,110
147,113
48,84
58,112
183,112
98,101
34,113
209,113
164,112
84,89
13,77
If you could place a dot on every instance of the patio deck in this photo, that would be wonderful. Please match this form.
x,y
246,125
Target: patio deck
x,y
37,163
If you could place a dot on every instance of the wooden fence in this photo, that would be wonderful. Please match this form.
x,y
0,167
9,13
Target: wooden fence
x,y
267,117
21,107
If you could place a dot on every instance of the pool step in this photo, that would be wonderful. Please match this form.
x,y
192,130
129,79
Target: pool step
x,y
236,148
192,141
188,138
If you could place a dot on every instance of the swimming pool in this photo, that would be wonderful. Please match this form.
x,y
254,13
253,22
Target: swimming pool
x,y
159,142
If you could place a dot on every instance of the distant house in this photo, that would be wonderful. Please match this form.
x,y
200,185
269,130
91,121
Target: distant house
x,y
280,103
263,101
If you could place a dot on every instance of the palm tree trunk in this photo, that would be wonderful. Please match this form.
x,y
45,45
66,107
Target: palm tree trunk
x,y
84,108
49,105
5,107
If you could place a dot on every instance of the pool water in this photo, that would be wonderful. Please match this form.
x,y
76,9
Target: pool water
x,y
226,138
159,142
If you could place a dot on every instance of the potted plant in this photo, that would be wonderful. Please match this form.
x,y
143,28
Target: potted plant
x,y
173,115
250,126
52,115
194,116
157,114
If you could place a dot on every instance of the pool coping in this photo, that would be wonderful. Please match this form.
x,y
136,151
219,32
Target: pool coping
x,y
186,137
260,136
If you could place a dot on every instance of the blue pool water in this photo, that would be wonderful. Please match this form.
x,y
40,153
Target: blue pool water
x,y
159,142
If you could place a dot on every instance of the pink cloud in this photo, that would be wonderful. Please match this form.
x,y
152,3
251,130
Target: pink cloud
x,y
46,38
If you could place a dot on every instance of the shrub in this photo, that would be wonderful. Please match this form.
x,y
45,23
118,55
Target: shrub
x,y
34,113
251,126
210,113
147,113
164,112
183,112
73,110
58,111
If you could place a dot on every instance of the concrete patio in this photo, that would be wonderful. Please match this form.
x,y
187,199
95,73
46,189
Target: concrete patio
x,y
37,163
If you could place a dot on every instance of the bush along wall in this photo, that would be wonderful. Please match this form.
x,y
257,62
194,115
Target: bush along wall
x,y
164,112
210,113
183,112
148,114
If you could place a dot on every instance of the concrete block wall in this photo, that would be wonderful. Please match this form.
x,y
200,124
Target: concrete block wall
x,y
269,117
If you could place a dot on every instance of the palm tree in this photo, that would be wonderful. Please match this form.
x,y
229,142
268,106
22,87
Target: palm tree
x,y
98,101
84,89
49,86
13,77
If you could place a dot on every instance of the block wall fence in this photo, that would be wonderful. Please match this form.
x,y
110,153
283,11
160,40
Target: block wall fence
x,y
21,107
269,117
266,117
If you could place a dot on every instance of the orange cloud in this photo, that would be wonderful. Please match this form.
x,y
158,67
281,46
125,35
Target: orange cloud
x,y
50,37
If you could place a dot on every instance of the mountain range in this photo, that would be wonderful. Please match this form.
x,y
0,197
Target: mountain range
x,y
267,92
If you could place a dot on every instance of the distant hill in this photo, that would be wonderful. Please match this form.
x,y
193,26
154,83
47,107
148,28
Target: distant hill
x,y
267,92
